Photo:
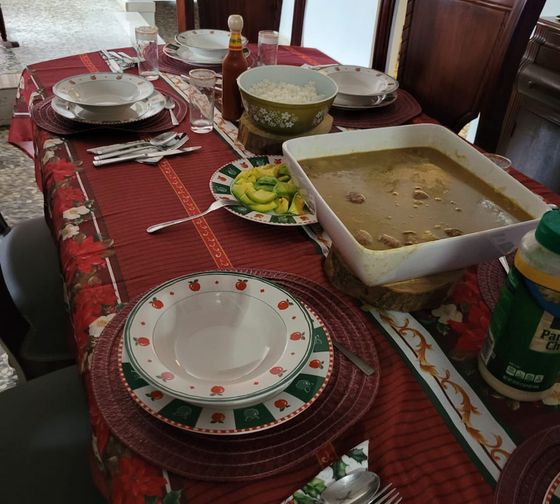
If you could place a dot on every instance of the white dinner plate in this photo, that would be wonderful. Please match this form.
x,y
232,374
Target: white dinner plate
x,y
363,102
222,181
187,55
140,110
219,338
306,387
103,89
360,81
207,42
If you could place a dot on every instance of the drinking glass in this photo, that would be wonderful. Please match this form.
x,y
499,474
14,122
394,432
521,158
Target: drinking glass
x,y
503,162
147,50
201,101
267,53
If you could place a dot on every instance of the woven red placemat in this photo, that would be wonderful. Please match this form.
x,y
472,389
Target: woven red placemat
x,y
177,67
531,469
45,117
491,278
349,395
402,110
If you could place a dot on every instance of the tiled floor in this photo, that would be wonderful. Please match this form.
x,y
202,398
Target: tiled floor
x,y
46,29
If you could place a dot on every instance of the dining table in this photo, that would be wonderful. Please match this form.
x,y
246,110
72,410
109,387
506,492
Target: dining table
x,y
424,421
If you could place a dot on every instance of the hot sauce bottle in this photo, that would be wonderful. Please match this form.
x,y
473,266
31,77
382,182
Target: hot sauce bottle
x,y
234,64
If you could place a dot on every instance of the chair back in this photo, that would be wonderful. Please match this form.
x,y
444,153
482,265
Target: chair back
x,y
257,15
459,58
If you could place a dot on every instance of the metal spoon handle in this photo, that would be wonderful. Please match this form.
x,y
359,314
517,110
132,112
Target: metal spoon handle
x,y
362,365
211,208
174,119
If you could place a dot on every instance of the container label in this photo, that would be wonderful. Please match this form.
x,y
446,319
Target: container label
x,y
522,348
546,338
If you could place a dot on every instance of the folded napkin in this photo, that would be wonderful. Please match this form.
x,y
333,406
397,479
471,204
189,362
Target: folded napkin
x,y
354,460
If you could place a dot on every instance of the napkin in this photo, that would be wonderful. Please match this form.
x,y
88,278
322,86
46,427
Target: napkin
x,y
354,460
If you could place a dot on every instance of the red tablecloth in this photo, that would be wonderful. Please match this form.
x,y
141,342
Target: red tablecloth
x,y
99,217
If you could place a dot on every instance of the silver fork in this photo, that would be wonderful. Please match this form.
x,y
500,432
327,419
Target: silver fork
x,y
386,495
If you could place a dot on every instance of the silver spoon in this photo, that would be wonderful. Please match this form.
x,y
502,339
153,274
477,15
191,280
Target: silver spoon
x,y
170,105
181,140
214,206
160,139
355,488
169,143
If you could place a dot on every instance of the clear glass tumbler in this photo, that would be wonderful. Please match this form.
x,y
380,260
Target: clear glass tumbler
x,y
201,100
267,53
147,51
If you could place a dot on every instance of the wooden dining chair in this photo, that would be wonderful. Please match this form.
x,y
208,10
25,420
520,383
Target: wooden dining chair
x,y
459,58
257,15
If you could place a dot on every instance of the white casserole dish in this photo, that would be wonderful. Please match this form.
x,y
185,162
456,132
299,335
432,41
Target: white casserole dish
x,y
377,267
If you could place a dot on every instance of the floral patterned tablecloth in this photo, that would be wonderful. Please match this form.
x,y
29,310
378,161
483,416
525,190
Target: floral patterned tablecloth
x,y
435,431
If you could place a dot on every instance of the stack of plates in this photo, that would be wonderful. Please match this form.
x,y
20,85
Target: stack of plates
x,y
106,98
224,353
201,47
361,88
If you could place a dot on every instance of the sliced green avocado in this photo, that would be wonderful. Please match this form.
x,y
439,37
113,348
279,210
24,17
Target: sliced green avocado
x,y
240,188
298,204
245,200
267,180
285,189
283,205
280,170
263,207
261,196
264,187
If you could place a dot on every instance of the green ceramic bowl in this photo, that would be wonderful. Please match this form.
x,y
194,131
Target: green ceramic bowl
x,y
286,118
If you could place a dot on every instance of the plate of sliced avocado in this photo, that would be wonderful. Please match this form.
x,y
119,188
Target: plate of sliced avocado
x,y
265,189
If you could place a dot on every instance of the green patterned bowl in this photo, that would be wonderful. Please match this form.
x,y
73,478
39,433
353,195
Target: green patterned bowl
x,y
286,118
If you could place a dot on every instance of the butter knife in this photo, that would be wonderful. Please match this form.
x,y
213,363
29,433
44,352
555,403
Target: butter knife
x,y
352,357
147,155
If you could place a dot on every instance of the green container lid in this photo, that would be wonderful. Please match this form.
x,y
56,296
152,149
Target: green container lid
x,y
548,231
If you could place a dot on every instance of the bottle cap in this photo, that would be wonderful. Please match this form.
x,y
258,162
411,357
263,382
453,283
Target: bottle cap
x,y
548,231
235,23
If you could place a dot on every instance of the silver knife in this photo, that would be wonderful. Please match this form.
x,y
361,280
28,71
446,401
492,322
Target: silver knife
x,y
147,155
117,147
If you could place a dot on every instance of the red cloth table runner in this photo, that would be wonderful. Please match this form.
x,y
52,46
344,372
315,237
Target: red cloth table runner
x,y
99,217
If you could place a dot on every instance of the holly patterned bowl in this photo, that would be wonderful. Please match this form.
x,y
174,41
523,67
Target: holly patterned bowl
x,y
283,115
219,338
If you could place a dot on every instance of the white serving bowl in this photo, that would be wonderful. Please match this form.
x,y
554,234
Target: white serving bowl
x,y
377,267
207,43
219,338
103,91
286,118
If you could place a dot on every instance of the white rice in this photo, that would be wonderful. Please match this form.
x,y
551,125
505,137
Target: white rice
x,y
283,92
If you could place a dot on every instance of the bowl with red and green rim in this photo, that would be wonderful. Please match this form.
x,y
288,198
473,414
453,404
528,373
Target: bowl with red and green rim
x,y
290,402
219,338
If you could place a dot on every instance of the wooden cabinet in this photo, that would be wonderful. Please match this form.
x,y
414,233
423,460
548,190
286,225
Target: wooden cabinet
x,y
531,132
